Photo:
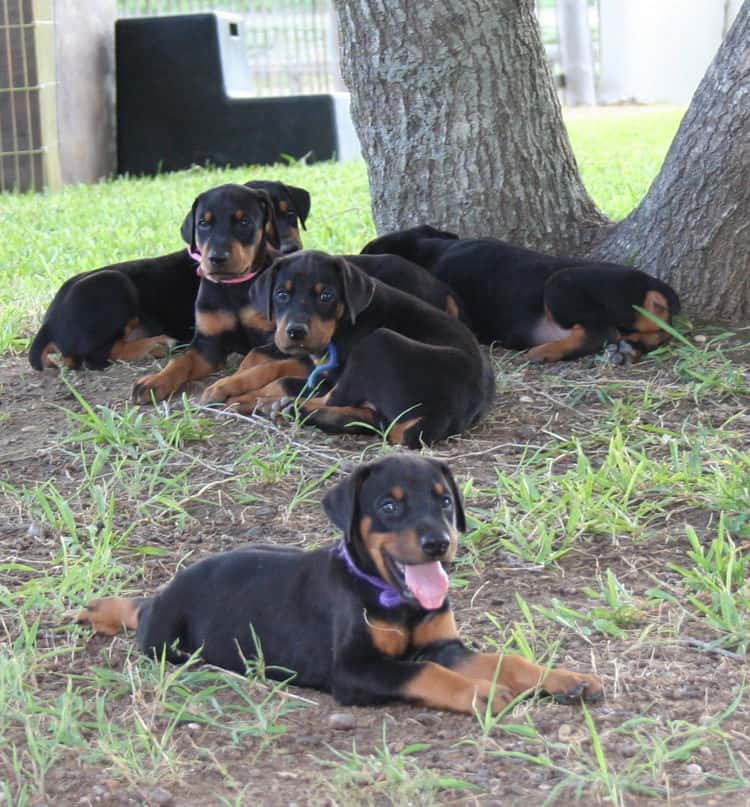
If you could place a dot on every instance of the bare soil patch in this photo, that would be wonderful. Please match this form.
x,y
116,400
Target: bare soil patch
x,y
649,672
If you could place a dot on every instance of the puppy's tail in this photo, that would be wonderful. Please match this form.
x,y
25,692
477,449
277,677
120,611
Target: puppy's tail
x,y
38,348
671,295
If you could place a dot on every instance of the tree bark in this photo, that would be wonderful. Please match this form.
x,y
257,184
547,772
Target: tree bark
x,y
459,121
461,128
692,229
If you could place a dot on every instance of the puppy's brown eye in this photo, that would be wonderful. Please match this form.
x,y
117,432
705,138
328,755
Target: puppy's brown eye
x,y
244,222
446,502
203,222
326,296
282,295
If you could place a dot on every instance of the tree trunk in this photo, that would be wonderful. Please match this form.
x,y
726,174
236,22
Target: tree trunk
x,y
460,128
693,227
458,119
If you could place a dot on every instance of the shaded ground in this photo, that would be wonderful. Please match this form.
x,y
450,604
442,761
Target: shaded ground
x,y
162,501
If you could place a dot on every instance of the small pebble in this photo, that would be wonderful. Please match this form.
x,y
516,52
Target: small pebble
x,y
35,531
342,721
427,719
628,748
305,739
700,339
159,796
193,726
565,732
694,769
526,399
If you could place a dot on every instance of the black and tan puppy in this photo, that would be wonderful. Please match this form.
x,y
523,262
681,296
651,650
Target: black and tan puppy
x,y
234,234
267,362
367,620
399,359
140,308
561,308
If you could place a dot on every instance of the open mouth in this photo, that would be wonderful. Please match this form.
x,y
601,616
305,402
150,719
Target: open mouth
x,y
425,583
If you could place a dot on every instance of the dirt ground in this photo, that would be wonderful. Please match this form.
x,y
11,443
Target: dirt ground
x,y
651,672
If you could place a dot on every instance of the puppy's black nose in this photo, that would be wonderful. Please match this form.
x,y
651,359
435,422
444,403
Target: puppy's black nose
x,y
434,544
218,257
297,331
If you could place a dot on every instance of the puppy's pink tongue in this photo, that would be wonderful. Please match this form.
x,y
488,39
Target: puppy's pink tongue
x,y
428,582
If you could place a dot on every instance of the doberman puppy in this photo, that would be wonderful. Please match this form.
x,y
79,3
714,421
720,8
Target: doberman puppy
x,y
561,308
141,308
390,269
367,619
399,359
233,233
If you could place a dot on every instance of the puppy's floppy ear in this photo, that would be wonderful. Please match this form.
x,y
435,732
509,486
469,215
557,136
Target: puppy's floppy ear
x,y
300,200
340,503
187,231
270,227
458,500
358,288
260,294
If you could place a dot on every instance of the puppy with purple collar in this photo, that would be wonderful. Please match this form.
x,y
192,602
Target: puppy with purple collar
x,y
367,619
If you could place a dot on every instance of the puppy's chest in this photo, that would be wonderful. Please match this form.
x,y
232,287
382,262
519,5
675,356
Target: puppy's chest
x,y
231,320
394,639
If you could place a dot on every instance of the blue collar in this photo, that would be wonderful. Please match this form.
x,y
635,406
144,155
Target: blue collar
x,y
331,363
389,597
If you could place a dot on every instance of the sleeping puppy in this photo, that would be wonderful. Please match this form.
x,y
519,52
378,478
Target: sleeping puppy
x,y
561,308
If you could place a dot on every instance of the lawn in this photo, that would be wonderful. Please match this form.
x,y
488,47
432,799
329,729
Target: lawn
x,y
609,513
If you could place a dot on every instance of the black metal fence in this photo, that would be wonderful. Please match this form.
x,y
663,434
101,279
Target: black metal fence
x,y
291,44
21,150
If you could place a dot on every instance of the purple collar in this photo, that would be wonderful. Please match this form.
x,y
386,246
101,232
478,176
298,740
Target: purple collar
x,y
389,597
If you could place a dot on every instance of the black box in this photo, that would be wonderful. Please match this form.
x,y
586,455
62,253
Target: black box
x,y
182,99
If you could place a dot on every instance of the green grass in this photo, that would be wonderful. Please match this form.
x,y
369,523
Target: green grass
x,y
718,586
385,776
620,154
584,771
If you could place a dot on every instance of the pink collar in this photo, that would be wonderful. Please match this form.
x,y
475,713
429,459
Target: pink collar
x,y
196,256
